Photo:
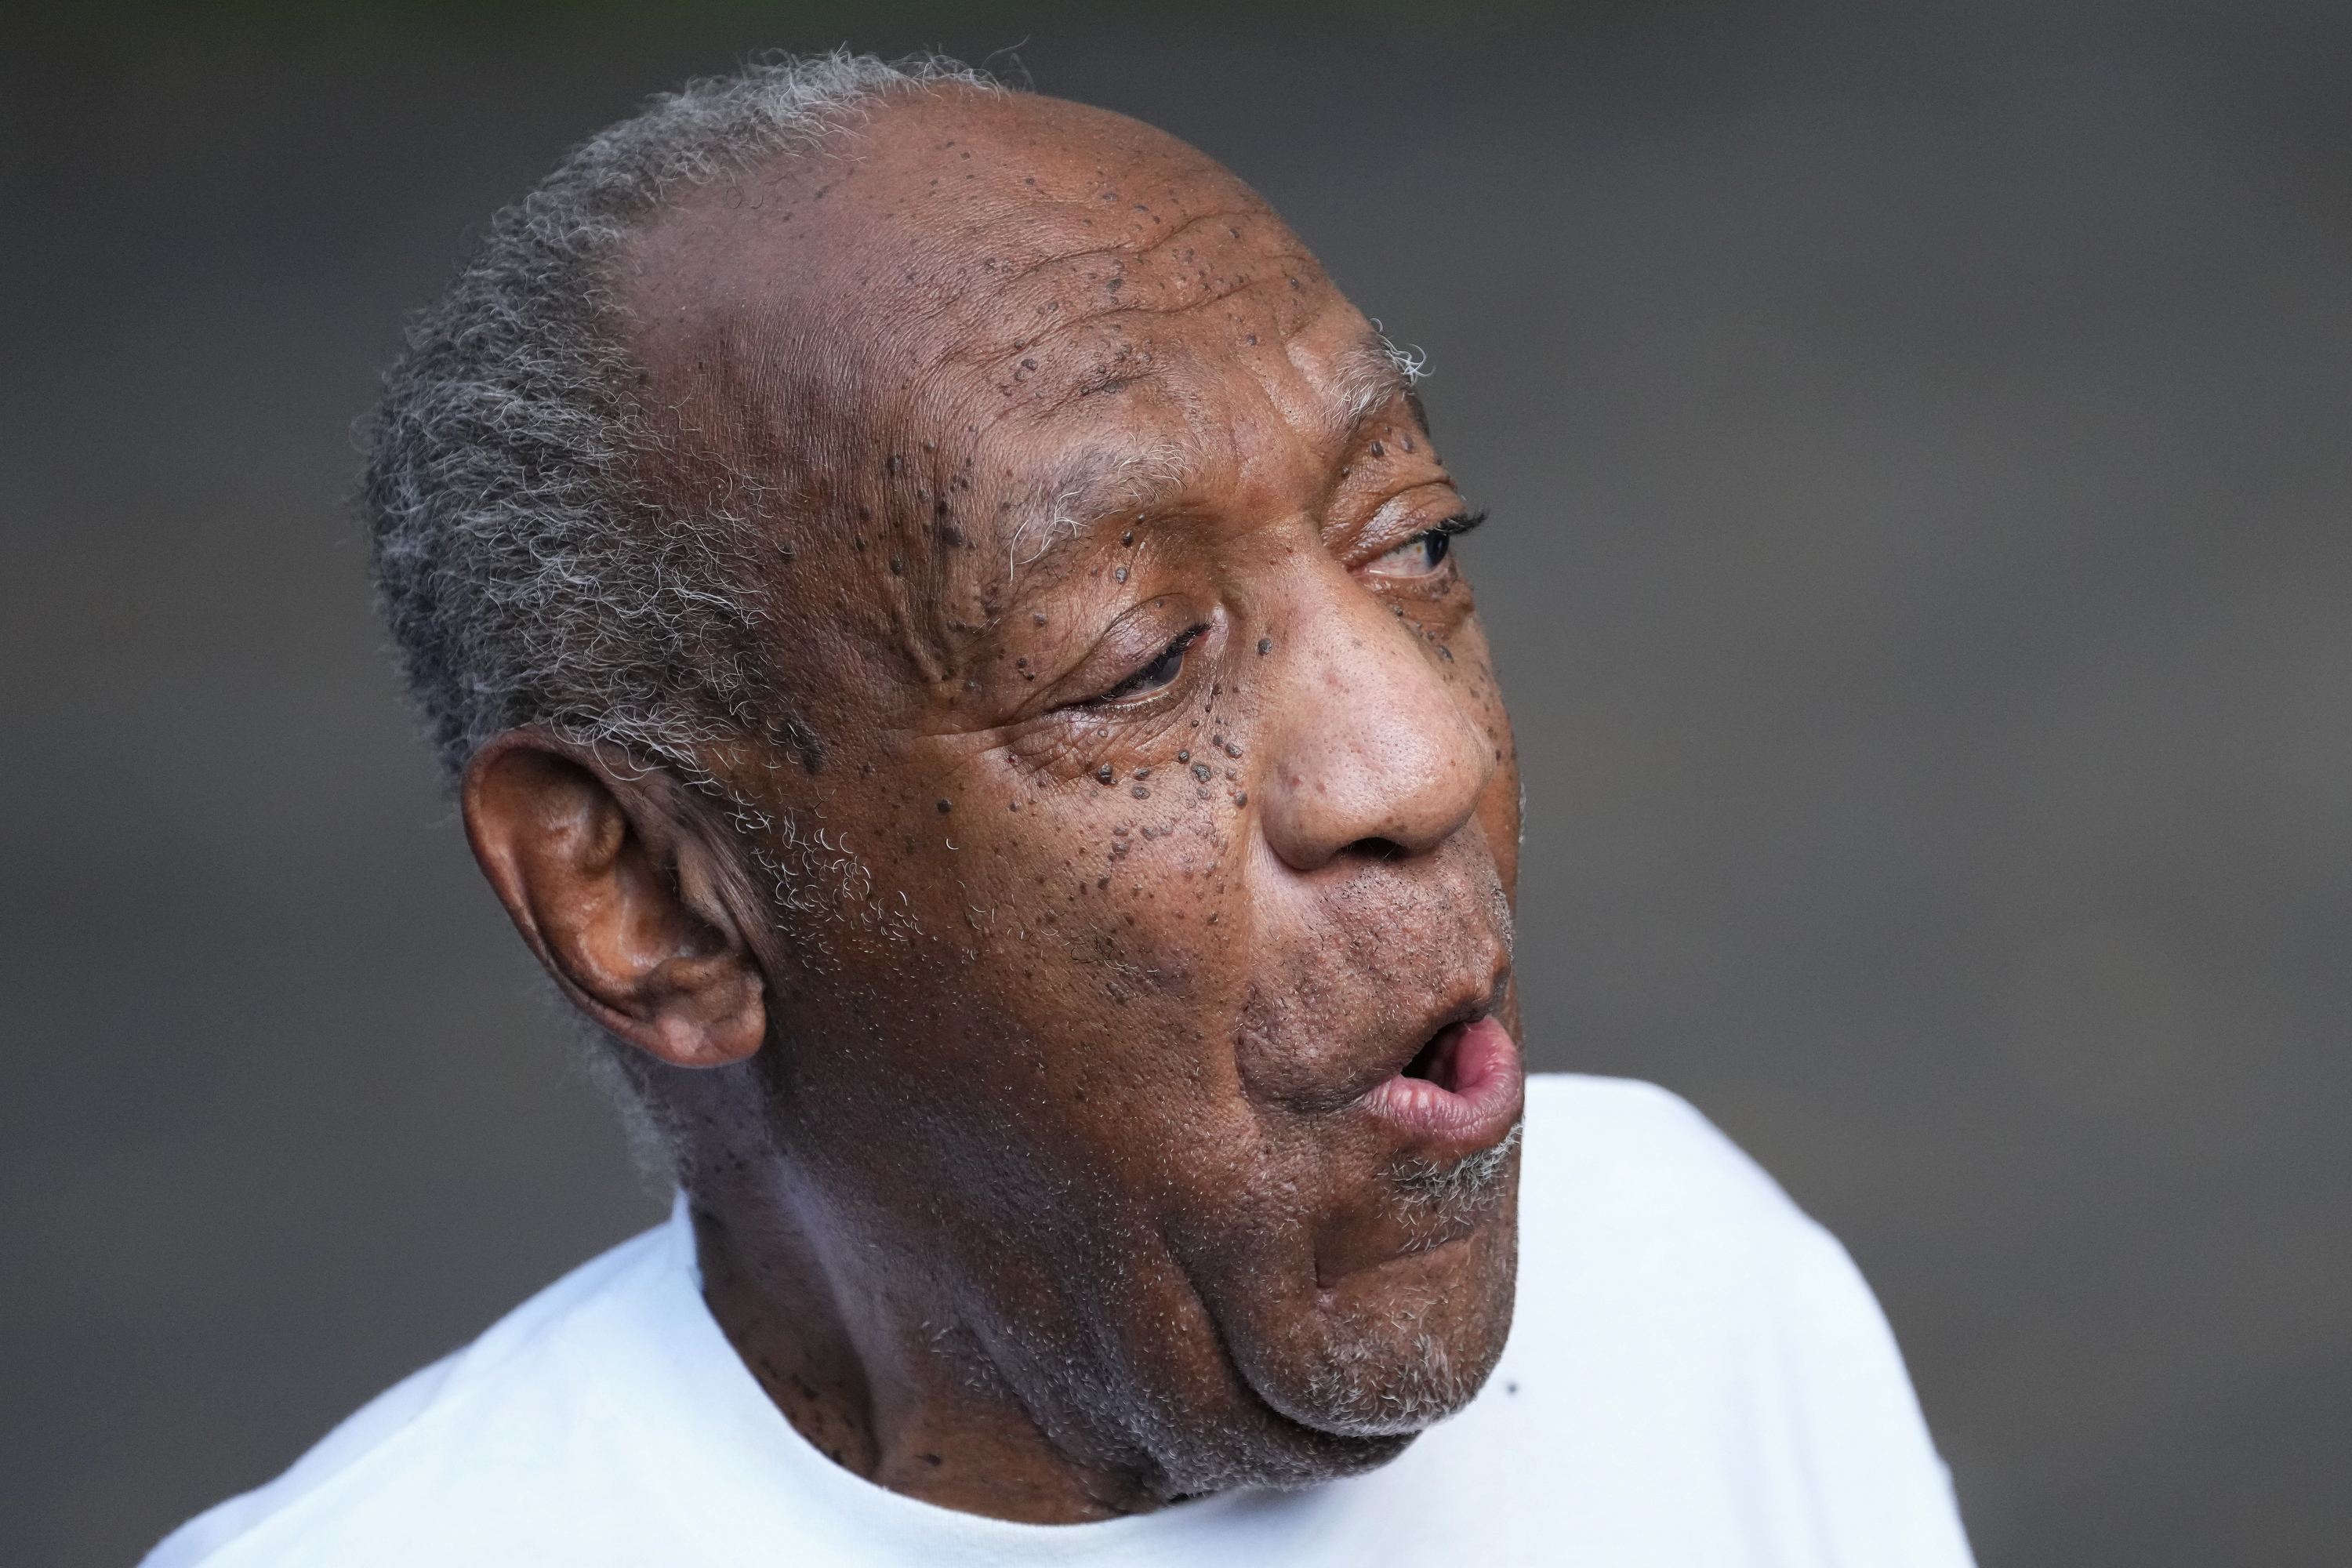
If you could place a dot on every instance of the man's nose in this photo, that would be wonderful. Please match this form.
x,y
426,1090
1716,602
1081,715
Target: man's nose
x,y
1370,749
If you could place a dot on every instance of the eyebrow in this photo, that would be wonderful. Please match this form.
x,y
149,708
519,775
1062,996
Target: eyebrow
x,y
1091,487
1372,371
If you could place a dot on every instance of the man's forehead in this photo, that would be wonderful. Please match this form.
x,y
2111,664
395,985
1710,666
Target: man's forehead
x,y
1342,384
1068,308
930,196
949,234
1056,253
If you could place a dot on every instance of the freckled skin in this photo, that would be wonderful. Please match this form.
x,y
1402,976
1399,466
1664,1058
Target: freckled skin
x,y
1022,1107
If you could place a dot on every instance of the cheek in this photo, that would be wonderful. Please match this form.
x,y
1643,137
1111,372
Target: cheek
x,y
1070,975
1105,898
1105,922
1073,953
1076,913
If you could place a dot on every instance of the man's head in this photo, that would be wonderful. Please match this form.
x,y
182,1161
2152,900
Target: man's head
x,y
945,619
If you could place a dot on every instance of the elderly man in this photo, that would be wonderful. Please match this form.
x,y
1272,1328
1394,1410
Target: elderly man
x,y
948,630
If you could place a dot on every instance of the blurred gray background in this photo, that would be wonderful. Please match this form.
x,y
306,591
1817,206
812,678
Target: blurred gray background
x,y
1916,438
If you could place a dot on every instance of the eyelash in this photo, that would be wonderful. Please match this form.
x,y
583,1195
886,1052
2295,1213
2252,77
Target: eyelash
x,y
1175,650
1451,529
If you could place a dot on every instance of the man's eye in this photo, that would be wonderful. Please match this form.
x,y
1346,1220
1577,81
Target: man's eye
x,y
1424,553
1159,672
1420,555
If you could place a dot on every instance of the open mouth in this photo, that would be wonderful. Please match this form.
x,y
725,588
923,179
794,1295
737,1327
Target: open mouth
x,y
1465,1087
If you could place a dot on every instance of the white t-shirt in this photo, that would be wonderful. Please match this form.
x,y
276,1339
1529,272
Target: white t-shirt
x,y
1697,1377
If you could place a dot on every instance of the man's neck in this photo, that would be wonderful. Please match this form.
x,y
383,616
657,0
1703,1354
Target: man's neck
x,y
925,1415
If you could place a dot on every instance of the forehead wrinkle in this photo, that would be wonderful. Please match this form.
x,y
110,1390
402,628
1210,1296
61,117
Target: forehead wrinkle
x,y
974,354
1118,374
1226,215
974,346
1170,310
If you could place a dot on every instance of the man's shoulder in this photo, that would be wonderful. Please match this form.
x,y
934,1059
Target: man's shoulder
x,y
1696,1371
450,1452
1629,1196
1625,1144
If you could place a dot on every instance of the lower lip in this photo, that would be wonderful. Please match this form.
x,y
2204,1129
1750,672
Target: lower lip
x,y
1473,1096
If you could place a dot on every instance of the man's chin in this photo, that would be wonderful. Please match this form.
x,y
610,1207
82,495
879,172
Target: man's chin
x,y
1379,1391
1353,1414
1303,1456
1408,1346
1349,1390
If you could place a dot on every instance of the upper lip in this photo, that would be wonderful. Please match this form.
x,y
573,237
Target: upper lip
x,y
1469,1007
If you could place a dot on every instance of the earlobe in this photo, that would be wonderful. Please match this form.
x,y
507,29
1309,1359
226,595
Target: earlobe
x,y
619,897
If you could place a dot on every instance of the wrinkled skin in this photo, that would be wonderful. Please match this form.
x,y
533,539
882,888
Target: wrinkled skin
x,y
1032,1124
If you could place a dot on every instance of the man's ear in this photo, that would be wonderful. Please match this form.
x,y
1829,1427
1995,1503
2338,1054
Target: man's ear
x,y
618,896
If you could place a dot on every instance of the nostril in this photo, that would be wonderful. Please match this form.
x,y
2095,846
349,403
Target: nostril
x,y
1376,849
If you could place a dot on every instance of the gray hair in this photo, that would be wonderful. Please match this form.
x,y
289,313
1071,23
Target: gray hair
x,y
524,573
